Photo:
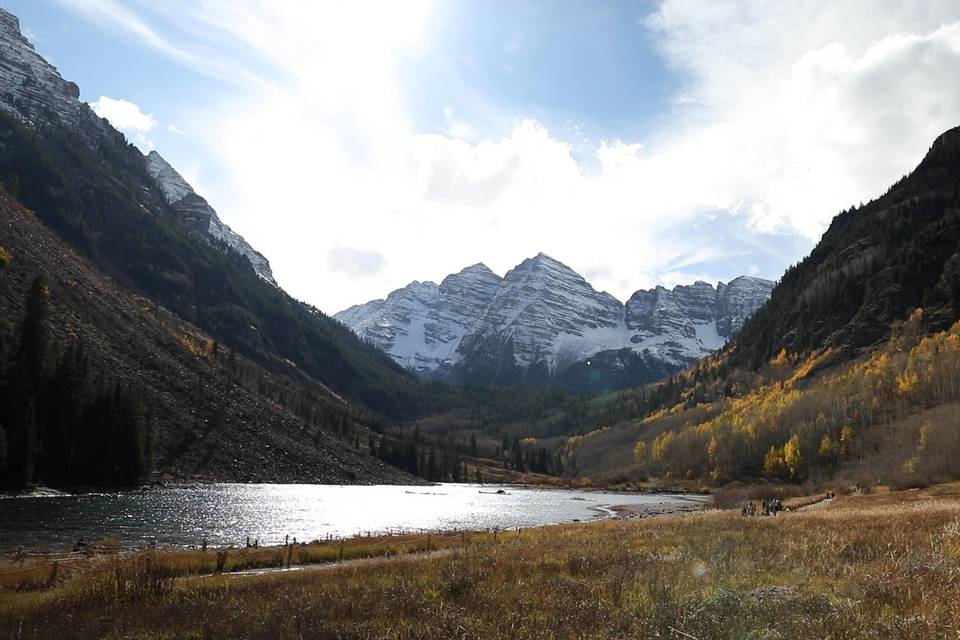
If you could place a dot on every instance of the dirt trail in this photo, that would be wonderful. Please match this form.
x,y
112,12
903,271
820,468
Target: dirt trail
x,y
330,566
815,505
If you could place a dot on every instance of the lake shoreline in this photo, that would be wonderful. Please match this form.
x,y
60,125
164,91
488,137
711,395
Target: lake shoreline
x,y
189,516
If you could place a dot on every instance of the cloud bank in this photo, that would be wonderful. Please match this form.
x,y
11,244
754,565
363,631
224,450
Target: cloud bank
x,y
786,114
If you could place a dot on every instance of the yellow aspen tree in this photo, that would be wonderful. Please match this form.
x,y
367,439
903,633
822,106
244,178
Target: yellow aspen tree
x,y
792,458
640,452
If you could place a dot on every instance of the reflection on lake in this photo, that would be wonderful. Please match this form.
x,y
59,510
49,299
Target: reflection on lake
x,y
225,514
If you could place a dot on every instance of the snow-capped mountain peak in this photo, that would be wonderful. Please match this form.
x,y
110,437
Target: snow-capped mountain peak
x,y
542,318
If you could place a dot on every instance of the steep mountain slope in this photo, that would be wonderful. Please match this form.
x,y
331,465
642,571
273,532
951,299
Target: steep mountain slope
x,y
31,86
873,265
207,421
543,323
96,192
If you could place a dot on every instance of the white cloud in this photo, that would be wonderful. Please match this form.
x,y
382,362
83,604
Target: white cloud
x,y
805,108
123,114
788,113
128,118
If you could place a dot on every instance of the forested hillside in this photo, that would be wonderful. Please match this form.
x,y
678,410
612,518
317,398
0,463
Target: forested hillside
x,y
102,387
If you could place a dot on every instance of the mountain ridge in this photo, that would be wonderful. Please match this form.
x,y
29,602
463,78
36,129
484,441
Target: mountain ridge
x,y
198,216
544,317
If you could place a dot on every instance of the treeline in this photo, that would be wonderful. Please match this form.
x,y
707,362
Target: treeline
x,y
434,462
445,459
525,454
62,421
797,426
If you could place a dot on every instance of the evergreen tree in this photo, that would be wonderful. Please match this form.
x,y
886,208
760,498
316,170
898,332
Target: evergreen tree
x,y
130,429
67,394
3,451
27,386
21,449
517,451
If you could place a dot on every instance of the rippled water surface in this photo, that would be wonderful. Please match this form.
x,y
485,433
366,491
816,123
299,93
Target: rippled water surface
x,y
226,513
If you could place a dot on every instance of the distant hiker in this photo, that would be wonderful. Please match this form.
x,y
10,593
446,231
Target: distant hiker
x,y
772,506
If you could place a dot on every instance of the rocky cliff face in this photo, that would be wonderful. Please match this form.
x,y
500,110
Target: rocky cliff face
x,y
542,321
31,87
33,91
199,217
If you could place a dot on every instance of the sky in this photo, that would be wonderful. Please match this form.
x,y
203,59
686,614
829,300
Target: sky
x,y
364,145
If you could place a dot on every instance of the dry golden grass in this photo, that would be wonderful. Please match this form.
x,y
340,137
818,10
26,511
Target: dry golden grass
x,y
869,566
40,572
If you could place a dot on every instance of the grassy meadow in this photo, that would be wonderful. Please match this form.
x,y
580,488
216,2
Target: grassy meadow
x,y
882,565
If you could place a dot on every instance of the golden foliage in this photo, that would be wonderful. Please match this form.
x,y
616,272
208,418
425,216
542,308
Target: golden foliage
x,y
828,447
793,458
640,452
786,426
782,359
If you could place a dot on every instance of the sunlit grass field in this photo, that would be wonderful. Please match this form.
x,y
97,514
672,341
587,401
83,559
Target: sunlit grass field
x,y
883,565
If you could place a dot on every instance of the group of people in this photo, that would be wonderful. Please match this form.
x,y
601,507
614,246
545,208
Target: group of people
x,y
765,508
